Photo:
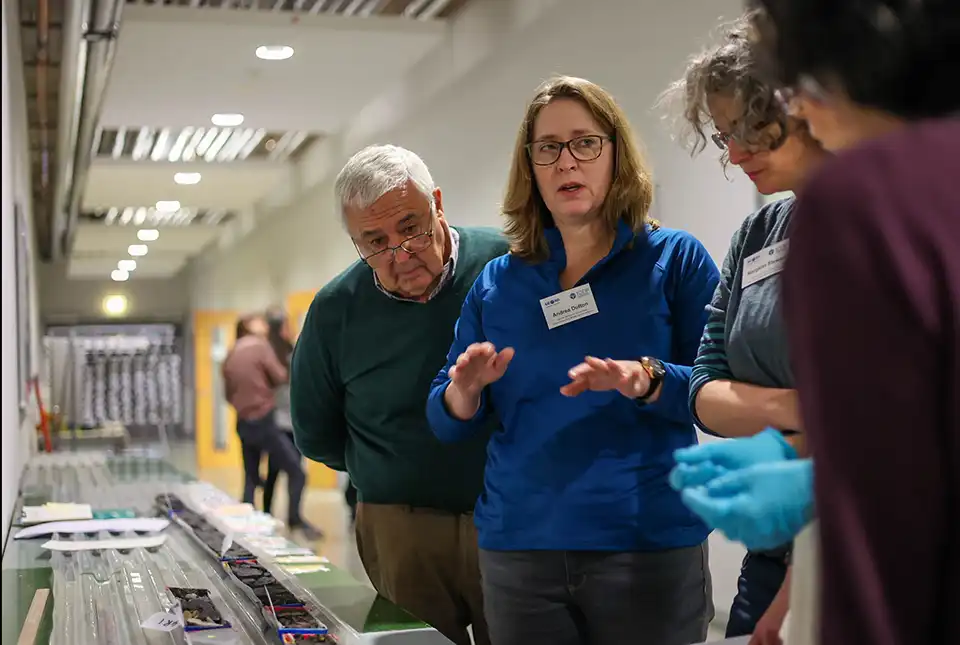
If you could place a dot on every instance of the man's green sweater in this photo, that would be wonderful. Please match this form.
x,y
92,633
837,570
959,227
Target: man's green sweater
x,y
360,376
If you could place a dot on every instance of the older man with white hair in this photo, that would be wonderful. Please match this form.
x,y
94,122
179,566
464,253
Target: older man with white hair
x,y
373,340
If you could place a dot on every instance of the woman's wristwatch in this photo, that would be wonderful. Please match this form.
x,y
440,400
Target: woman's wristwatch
x,y
656,371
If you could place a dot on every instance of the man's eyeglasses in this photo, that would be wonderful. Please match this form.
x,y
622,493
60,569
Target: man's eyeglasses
x,y
585,148
414,244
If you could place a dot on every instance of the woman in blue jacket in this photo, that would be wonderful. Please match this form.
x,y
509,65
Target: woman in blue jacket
x,y
581,340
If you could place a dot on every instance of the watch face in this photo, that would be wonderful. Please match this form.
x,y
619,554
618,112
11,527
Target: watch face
x,y
653,366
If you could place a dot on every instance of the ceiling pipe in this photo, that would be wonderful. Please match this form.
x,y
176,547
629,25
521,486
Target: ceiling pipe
x,y
72,64
43,114
98,44
431,10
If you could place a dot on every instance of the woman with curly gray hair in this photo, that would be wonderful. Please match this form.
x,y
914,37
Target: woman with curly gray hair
x,y
741,382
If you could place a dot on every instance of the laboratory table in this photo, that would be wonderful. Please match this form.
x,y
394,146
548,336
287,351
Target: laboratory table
x,y
354,611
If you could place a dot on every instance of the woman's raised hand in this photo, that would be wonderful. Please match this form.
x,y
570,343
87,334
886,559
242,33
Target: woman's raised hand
x,y
479,366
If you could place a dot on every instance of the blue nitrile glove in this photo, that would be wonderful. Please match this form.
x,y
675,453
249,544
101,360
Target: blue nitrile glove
x,y
697,465
699,474
763,506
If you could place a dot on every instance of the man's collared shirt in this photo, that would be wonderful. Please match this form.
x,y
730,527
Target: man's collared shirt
x,y
445,277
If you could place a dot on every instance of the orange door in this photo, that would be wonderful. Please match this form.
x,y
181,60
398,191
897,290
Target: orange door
x,y
217,442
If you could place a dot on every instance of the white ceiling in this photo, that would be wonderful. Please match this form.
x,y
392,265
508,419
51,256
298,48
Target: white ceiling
x,y
177,66
98,248
222,185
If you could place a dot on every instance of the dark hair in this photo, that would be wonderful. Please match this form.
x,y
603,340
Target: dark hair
x,y
243,326
281,346
897,56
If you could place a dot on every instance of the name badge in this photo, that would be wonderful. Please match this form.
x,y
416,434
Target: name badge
x,y
764,263
568,306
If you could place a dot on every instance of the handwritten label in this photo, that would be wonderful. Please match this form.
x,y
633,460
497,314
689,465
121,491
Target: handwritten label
x,y
163,621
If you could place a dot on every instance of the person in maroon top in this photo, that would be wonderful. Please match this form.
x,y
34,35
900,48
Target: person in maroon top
x,y
872,304
251,372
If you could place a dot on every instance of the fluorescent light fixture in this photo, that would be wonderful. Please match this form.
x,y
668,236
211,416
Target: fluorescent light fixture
x,y
127,265
119,275
148,234
167,206
227,120
187,178
137,250
114,305
274,52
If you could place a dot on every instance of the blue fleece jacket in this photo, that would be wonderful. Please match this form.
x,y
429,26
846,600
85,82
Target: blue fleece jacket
x,y
588,472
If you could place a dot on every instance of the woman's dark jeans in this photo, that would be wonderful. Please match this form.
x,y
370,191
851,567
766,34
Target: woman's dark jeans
x,y
262,435
761,576
273,472
350,495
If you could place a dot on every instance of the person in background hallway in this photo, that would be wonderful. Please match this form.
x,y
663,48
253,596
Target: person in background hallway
x,y
742,382
280,340
582,540
875,81
256,326
350,495
251,371
373,340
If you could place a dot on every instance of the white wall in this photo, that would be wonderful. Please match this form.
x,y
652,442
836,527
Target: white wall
x,y
18,437
64,300
465,132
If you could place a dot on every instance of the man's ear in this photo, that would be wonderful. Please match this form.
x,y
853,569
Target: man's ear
x,y
438,202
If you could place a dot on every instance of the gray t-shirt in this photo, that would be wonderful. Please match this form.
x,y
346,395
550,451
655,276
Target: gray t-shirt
x,y
745,338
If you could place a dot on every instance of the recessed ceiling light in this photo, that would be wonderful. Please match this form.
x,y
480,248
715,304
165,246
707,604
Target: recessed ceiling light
x,y
137,250
119,275
167,206
148,234
187,178
127,265
227,120
274,52
114,305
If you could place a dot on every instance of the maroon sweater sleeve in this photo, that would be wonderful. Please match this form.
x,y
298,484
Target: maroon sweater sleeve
x,y
868,307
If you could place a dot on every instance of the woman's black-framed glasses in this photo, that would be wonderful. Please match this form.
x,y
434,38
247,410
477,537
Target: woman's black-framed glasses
x,y
585,148
412,245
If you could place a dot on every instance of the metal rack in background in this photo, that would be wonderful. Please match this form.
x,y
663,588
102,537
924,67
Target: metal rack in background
x,y
116,382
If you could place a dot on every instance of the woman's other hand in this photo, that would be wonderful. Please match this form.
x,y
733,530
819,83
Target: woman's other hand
x,y
479,366
602,375
476,368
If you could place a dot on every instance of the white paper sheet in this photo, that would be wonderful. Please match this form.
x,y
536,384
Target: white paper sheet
x,y
118,543
54,512
138,524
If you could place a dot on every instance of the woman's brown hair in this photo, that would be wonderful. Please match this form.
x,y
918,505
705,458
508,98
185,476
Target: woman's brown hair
x,y
631,190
